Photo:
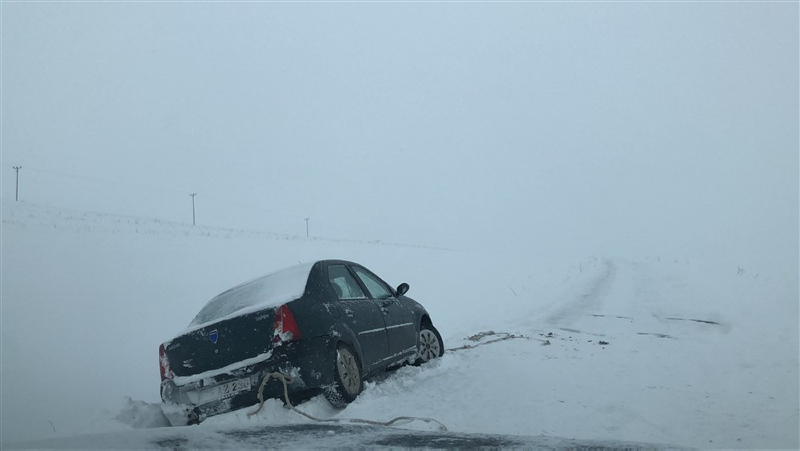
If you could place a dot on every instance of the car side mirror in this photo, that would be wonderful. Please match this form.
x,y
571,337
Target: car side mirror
x,y
402,289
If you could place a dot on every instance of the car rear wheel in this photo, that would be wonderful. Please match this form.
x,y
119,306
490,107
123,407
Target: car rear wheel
x,y
429,344
348,381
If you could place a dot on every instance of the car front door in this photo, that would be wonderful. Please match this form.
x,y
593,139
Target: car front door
x,y
361,314
399,320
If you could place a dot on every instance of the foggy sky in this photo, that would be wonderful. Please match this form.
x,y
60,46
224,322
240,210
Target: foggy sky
x,y
593,127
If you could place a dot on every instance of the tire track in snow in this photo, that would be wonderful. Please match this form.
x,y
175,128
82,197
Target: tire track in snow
x,y
592,299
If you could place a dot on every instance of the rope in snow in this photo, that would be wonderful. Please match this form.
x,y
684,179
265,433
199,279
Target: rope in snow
x,y
286,380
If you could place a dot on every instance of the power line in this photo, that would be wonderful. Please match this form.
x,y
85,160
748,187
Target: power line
x,y
94,179
151,188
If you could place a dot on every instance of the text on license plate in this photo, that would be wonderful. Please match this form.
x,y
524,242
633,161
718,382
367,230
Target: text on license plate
x,y
228,389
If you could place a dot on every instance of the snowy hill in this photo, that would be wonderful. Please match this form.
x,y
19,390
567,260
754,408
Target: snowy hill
x,y
687,352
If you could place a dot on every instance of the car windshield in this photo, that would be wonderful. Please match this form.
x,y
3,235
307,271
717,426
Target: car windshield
x,y
266,291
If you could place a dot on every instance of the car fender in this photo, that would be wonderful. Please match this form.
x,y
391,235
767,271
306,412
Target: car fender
x,y
417,310
341,332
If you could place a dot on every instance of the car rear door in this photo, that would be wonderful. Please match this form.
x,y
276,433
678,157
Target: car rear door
x,y
399,320
361,314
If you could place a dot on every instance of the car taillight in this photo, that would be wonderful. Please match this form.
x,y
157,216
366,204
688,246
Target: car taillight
x,y
286,328
163,363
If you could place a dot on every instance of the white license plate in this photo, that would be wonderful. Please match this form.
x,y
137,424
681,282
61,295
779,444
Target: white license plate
x,y
227,389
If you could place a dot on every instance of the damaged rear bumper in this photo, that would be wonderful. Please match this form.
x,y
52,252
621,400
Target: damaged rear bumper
x,y
309,363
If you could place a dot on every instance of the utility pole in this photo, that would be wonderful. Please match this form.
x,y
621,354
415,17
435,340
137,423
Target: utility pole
x,y
193,194
17,168
307,226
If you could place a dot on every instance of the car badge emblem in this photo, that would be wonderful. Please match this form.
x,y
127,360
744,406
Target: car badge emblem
x,y
213,336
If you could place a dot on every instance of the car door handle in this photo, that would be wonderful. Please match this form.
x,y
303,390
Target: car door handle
x,y
387,302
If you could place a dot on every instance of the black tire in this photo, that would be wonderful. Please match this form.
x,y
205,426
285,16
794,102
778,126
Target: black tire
x,y
429,344
348,380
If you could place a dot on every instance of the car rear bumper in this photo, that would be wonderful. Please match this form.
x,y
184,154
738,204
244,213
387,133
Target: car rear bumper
x,y
309,362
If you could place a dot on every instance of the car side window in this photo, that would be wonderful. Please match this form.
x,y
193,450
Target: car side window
x,y
343,283
376,288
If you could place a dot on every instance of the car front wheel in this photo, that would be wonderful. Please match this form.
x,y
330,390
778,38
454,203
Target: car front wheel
x,y
429,344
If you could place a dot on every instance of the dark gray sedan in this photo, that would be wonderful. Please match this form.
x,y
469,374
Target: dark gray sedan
x,y
327,325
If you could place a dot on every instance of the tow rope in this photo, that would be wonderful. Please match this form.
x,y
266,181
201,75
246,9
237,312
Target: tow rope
x,y
286,380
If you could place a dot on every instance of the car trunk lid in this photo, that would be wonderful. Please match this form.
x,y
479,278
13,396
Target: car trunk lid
x,y
220,344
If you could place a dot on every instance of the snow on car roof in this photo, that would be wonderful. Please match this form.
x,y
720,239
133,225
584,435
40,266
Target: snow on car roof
x,y
266,291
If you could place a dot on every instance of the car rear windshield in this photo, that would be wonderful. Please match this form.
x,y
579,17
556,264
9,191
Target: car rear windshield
x,y
267,291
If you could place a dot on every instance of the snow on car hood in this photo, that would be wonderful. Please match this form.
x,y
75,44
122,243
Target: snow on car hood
x,y
266,291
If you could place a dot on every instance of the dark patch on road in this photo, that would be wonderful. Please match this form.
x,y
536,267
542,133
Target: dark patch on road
x,y
367,437
704,321
311,429
576,331
658,335
446,441
172,443
610,316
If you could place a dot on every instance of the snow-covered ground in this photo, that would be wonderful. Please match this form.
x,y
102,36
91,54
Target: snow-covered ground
x,y
688,351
